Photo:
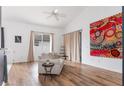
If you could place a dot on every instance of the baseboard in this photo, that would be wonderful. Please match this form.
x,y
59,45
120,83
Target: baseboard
x,y
4,84
102,68
24,62
20,62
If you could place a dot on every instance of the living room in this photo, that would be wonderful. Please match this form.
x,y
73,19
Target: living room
x,y
20,23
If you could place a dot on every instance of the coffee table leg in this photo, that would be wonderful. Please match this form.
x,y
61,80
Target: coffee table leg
x,y
45,73
50,72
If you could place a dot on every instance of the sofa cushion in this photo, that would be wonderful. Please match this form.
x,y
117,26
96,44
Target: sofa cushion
x,y
50,56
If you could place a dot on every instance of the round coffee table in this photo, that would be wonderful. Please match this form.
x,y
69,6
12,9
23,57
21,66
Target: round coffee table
x,y
48,68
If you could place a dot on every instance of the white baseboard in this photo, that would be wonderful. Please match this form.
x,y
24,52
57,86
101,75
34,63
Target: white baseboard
x,y
4,84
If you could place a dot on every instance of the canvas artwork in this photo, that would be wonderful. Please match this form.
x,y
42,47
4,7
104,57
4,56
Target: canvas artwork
x,y
18,39
106,37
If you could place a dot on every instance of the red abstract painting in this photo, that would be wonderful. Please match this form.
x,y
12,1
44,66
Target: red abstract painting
x,y
106,37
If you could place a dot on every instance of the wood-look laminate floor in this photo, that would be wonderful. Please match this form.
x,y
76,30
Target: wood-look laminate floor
x,y
26,74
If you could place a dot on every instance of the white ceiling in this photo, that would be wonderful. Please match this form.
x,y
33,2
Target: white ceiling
x,y
35,15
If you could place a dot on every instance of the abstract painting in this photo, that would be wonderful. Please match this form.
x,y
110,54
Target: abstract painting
x,y
106,37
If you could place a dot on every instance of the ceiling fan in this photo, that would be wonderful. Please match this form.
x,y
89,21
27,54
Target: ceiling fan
x,y
55,13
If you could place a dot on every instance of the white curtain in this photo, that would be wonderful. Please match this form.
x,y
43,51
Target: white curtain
x,y
30,52
72,46
52,35
67,46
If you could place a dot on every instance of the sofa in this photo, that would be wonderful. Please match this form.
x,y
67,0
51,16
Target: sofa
x,y
53,58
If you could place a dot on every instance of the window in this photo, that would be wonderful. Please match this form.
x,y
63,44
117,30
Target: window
x,y
42,44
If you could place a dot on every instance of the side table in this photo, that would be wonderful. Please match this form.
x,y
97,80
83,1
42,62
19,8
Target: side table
x,y
48,68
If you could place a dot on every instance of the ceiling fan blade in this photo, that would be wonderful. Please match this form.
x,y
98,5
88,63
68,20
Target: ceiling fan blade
x,y
61,15
57,18
49,16
46,12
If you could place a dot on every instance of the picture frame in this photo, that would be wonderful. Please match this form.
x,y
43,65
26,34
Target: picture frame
x,y
18,39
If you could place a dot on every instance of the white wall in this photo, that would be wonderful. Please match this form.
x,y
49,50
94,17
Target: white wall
x,y
87,16
18,52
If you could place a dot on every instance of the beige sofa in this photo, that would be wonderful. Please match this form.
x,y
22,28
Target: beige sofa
x,y
54,58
